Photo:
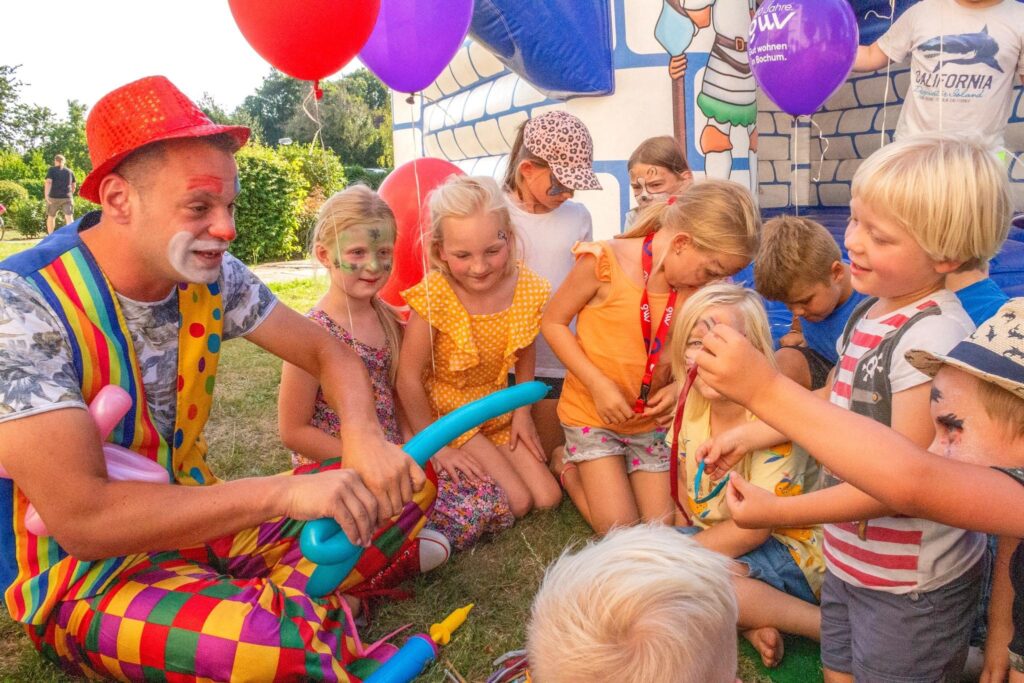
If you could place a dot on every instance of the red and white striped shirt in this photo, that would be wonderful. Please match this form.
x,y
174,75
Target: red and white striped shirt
x,y
900,554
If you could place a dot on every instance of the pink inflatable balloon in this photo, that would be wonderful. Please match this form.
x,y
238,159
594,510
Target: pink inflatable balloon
x,y
108,407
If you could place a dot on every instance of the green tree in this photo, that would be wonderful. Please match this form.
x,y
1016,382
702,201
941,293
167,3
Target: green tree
x,y
9,104
67,137
273,104
367,87
34,124
267,210
345,126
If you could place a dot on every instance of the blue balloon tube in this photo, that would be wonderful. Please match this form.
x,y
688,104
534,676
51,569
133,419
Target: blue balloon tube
x,y
322,541
408,663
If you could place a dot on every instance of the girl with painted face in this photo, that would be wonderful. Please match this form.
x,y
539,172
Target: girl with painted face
x,y
354,239
552,157
474,318
618,390
657,170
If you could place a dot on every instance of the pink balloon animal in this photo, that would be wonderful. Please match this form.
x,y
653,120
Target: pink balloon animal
x,y
108,407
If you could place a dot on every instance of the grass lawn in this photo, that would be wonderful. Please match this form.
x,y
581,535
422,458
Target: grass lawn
x,y
14,242
499,576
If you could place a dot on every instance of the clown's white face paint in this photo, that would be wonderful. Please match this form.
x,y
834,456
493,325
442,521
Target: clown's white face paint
x,y
194,259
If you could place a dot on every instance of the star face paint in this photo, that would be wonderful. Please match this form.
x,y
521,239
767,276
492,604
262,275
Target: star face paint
x,y
196,260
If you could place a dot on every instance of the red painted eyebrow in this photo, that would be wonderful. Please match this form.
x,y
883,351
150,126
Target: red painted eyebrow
x,y
210,183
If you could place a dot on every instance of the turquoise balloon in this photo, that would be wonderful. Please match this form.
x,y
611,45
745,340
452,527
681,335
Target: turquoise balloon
x,y
322,541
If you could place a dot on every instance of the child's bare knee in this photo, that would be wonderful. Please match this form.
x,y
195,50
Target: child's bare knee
x,y
520,502
549,497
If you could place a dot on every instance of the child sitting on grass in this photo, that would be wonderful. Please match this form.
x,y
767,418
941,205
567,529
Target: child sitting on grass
x,y
778,571
643,604
977,409
900,593
800,265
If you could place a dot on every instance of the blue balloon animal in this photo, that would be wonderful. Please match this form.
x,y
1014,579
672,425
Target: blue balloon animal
x,y
322,540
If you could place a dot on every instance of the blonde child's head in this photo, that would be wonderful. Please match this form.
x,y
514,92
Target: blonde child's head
x,y
712,231
948,191
551,158
473,209
354,238
719,302
799,264
657,170
645,603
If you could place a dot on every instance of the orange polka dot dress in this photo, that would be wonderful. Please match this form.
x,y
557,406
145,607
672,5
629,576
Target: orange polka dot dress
x,y
473,354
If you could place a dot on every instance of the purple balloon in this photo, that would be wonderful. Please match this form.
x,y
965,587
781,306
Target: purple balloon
x,y
801,51
414,40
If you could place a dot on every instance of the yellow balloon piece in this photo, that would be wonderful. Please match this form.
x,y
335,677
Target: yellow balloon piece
x,y
442,633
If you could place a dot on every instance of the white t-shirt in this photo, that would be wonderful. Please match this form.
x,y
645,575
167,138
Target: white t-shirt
x,y
900,554
547,240
963,68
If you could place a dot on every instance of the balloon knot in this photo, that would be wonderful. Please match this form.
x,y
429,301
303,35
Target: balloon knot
x,y
411,98
318,92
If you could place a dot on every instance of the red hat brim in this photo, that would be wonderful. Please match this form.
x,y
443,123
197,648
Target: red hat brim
x,y
91,186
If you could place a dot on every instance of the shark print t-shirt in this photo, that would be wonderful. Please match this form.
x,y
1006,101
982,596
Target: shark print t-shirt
x,y
964,64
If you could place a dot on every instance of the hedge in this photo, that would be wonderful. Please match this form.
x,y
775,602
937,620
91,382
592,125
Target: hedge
x,y
267,210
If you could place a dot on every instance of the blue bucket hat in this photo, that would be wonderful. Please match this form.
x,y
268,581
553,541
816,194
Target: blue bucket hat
x,y
993,353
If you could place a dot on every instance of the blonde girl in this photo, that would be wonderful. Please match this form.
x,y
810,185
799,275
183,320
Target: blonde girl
x,y
551,159
621,294
657,170
779,571
354,240
474,318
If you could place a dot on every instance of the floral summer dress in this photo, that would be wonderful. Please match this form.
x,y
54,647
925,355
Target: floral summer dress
x,y
462,512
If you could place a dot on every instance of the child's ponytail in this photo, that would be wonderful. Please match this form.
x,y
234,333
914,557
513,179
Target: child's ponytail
x,y
650,219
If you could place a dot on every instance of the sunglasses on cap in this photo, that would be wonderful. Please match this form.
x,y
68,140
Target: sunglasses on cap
x,y
557,188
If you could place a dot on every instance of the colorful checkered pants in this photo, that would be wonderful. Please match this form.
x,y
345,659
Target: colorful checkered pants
x,y
235,609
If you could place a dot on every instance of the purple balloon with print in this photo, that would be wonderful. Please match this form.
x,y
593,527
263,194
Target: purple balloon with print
x,y
801,51
414,40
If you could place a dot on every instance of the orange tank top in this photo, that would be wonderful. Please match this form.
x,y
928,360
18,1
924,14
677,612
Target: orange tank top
x,y
609,333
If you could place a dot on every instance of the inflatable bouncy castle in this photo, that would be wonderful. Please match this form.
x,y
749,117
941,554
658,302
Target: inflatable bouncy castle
x,y
632,69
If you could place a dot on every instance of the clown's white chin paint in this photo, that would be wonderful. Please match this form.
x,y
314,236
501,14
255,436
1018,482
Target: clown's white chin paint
x,y
195,260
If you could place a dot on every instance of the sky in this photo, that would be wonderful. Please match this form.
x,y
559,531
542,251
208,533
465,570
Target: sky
x,y
82,50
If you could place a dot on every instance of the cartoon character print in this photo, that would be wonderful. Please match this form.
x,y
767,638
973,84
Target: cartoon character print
x,y
728,95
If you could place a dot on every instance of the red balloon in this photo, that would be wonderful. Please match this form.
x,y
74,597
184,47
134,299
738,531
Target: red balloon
x,y
306,39
405,190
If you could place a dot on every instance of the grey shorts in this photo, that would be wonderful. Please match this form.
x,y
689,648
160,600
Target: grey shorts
x,y
55,205
817,365
910,638
644,452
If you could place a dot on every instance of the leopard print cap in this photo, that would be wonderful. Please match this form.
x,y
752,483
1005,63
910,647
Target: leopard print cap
x,y
563,141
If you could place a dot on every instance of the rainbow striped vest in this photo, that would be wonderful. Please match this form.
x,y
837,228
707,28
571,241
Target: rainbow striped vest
x,y
35,571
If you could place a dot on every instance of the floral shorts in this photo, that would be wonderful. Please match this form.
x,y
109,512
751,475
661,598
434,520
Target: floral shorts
x,y
644,452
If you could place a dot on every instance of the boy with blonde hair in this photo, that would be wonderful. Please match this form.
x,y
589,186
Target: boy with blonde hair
x,y
800,265
900,593
645,603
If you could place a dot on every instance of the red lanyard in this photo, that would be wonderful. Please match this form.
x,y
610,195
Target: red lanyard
x,y
673,464
654,347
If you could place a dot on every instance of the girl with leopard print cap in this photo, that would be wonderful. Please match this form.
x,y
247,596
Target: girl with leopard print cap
x,y
551,159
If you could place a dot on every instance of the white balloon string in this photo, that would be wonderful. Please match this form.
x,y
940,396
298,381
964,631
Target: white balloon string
x,y
824,149
888,75
314,118
423,242
794,175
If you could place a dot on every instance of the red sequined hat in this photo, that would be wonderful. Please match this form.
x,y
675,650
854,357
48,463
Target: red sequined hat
x,y
144,111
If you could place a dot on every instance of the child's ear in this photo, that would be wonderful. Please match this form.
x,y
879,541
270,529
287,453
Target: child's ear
x,y
680,241
947,267
322,255
838,272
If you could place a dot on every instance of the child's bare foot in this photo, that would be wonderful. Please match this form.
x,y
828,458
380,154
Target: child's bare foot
x,y
768,642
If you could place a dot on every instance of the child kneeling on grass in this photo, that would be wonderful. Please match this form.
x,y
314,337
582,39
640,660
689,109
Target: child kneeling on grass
x,y
778,572
643,604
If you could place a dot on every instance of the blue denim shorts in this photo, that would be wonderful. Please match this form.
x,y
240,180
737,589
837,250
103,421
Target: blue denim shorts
x,y
771,563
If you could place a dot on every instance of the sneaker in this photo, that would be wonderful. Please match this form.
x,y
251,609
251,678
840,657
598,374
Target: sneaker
x,y
434,550
427,551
